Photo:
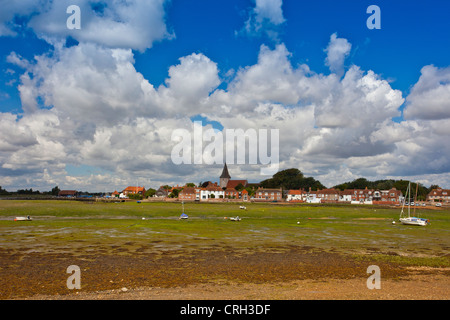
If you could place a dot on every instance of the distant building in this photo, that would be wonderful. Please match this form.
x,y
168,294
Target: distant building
x,y
162,192
212,191
391,195
439,195
134,190
232,184
263,194
224,177
189,194
328,195
68,193
295,195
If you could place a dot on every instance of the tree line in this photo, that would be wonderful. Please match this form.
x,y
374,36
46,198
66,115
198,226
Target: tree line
x,y
289,179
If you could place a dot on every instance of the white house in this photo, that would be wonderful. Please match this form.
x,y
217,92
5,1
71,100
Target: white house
x,y
212,192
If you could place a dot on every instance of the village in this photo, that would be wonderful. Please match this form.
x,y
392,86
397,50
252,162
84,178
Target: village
x,y
228,190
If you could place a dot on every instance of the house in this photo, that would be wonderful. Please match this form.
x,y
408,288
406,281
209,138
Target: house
x,y
295,195
162,193
244,195
231,193
68,193
212,191
439,195
392,195
328,195
134,190
115,194
263,194
189,194
359,196
346,195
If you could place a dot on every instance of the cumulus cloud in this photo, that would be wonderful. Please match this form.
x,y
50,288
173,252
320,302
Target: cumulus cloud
x,y
136,25
430,96
338,49
265,18
103,113
11,10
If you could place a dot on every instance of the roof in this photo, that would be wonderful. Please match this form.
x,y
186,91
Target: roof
x,y
187,190
268,190
439,192
134,189
225,173
234,183
328,191
296,192
67,192
213,188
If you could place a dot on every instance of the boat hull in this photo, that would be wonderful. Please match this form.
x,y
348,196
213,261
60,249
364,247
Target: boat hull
x,y
22,219
414,221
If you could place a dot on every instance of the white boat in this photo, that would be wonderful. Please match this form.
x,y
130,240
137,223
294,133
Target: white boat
x,y
405,218
27,218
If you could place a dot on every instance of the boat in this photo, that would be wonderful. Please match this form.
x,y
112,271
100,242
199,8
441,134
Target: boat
x,y
405,218
27,218
183,215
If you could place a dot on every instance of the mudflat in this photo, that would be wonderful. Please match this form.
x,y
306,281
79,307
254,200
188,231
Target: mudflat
x,y
283,252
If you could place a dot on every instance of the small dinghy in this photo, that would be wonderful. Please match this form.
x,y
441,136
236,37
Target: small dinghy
x,y
27,218
183,215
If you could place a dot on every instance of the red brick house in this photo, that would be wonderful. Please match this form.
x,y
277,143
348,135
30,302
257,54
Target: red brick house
x,y
439,195
263,194
189,194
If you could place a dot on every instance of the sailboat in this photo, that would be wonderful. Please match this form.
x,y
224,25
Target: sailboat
x,y
183,215
405,218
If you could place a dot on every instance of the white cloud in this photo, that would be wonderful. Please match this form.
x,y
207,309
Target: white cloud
x,y
430,97
104,114
136,24
338,49
265,17
11,9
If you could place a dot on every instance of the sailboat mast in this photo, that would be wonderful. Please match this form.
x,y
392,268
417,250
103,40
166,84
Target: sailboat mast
x,y
415,198
406,198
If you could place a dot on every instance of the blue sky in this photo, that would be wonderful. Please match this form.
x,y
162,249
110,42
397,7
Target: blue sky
x,y
189,60
413,34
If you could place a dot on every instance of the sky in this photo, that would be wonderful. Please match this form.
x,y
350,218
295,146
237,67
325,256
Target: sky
x,y
91,99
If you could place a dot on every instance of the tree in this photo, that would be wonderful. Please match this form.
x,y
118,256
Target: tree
x,y
251,191
291,179
3,191
55,191
433,186
150,192
135,196
174,193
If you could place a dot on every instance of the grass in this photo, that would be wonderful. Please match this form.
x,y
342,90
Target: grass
x,y
61,226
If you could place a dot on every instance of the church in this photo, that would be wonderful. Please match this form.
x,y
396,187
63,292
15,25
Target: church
x,y
226,182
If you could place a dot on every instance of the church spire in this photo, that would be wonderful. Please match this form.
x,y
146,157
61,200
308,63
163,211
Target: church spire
x,y
225,173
